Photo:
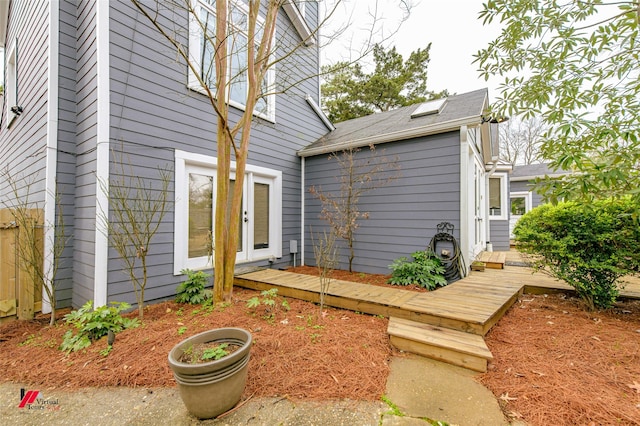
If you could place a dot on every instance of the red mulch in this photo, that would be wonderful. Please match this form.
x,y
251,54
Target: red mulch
x,y
555,363
299,354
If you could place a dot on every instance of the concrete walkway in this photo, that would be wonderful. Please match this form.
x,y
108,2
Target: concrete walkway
x,y
418,388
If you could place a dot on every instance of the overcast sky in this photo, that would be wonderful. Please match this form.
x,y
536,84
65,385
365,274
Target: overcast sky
x,y
454,31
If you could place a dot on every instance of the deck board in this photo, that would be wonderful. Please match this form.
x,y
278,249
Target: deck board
x,y
472,304
447,324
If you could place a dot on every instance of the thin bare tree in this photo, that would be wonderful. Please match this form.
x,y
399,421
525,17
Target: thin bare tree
x,y
137,209
520,140
255,53
30,248
326,254
358,174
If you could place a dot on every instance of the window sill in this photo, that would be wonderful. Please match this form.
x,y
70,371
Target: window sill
x,y
267,117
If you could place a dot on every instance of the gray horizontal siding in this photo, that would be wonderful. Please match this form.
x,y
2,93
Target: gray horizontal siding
x,y
403,215
84,224
22,146
499,235
153,113
526,186
66,159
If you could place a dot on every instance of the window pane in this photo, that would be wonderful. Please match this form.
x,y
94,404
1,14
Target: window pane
x,y
200,214
238,90
207,47
517,206
260,216
494,197
232,185
238,17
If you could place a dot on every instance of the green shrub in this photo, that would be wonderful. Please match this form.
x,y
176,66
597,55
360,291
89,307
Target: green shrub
x,y
94,324
590,247
192,290
426,270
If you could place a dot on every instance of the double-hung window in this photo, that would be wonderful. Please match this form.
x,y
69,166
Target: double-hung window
x,y
260,222
202,34
498,197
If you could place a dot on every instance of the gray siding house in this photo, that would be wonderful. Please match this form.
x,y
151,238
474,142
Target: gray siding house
x,y
447,152
523,196
92,78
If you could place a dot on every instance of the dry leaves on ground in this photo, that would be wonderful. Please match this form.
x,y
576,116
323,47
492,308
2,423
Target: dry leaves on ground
x,y
298,354
555,363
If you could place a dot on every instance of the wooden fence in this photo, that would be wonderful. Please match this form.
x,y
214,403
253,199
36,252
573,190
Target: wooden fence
x,y
20,296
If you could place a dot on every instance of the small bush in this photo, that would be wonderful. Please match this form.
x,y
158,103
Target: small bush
x,y
590,247
426,270
269,303
94,324
192,290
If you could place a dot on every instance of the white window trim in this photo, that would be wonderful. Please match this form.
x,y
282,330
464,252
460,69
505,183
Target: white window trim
x,y
504,197
528,199
187,160
11,83
195,53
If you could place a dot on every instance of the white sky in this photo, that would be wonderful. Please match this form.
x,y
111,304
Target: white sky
x,y
455,33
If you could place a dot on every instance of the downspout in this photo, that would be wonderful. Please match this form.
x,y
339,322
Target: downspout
x,y
302,171
51,155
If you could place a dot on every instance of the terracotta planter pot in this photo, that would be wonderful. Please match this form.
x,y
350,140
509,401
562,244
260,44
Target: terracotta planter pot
x,y
211,388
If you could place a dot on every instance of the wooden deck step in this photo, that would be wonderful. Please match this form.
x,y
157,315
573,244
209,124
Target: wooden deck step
x,y
493,259
451,346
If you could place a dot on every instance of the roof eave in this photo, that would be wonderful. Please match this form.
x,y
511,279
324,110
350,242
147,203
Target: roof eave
x,y
432,129
533,177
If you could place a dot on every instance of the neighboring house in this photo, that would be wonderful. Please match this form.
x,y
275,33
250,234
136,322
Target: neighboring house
x,y
94,76
522,195
449,171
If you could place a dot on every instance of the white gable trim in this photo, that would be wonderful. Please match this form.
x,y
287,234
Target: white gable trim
x,y
299,23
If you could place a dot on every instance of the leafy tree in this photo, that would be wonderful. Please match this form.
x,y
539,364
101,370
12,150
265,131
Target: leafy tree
x,y
350,92
576,65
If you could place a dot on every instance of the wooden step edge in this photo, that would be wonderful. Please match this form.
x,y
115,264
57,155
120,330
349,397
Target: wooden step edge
x,y
445,355
445,338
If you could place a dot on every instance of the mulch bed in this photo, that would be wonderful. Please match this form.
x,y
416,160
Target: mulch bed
x,y
298,354
555,363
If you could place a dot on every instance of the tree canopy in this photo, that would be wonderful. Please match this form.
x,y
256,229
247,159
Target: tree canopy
x,y
575,63
350,92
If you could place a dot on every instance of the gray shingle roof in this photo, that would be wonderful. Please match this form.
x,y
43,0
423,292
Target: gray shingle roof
x,y
395,125
530,171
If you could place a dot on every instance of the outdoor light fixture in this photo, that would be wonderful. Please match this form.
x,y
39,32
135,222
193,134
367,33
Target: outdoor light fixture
x,y
17,110
493,120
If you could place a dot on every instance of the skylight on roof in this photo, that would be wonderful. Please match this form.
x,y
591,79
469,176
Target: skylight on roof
x,y
428,108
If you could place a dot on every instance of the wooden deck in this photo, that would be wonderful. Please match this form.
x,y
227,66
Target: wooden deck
x,y
447,324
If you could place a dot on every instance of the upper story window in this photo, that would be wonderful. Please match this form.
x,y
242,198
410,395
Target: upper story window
x,y
301,6
202,31
498,196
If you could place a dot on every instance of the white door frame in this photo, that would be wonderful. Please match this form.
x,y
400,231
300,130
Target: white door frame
x,y
528,203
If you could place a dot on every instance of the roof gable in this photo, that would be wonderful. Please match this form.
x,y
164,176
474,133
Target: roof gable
x,y
398,124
